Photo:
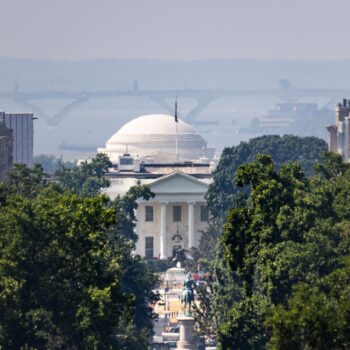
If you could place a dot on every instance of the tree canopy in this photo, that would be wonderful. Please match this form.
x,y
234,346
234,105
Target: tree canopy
x,y
88,178
68,275
289,247
224,192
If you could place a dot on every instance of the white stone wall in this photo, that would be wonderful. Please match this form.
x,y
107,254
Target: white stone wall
x,y
173,189
119,186
153,229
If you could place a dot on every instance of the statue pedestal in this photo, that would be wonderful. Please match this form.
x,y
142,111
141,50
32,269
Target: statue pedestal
x,y
186,324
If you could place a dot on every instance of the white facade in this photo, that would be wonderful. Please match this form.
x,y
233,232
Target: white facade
x,y
22,133
144,151
174,218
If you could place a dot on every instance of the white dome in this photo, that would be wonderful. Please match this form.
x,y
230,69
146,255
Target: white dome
x,y
153,124
155,134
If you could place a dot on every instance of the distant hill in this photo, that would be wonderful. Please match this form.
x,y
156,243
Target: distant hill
x,y
156,74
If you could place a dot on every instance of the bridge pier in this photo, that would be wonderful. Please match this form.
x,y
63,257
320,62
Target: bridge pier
x,y
57,117
202,103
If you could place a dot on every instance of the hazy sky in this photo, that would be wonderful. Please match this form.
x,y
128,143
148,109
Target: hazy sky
x,y
175,29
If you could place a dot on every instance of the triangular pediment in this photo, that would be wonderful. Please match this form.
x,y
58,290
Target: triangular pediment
x,y
178,182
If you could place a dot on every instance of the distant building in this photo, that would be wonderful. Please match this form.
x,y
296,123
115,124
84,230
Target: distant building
x,y
282,117
143,151
6,152
339,133
22,132
175,218
154,136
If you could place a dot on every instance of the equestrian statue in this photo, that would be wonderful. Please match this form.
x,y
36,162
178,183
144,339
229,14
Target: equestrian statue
x,y
187,295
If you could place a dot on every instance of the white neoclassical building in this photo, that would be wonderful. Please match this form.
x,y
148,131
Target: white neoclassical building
x,y
176,217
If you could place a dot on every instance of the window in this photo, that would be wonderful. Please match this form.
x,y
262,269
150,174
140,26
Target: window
x,y
176,213
126,161
204,213
149,247
148,213
117,181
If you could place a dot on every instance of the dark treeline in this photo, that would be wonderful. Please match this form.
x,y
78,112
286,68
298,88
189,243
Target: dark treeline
x,y
68,278
279,276
276,255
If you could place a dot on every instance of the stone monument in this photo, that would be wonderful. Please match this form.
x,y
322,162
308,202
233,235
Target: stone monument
x,y
186,321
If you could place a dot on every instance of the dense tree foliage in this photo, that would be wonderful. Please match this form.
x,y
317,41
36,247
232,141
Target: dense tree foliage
x,y
88,178
223,192
68,276
215,297
289,246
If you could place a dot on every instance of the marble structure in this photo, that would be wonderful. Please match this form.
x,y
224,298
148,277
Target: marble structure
x,y
154,136
176,216
186,341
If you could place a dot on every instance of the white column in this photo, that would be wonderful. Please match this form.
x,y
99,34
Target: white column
x,y
163,232
191,231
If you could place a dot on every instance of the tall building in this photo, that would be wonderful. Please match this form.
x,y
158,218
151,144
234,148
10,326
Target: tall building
x,y
6,151
22,132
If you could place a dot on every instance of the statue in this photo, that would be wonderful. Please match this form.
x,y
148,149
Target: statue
x,y
187,295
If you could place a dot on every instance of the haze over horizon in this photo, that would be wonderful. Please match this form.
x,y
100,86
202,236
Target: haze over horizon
x,y
167,45
181,30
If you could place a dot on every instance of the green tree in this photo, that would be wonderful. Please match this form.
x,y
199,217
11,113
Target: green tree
x,y
88,178
126,206
290,236
223,193
25,181
51,164
316,316
215,298
244,328
68,276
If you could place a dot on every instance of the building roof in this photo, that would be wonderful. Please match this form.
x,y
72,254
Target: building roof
x,y
155,128
179,174
154,124
154,137
157,170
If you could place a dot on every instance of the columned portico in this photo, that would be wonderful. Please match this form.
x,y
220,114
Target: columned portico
x,y
191,225
163,231
172,220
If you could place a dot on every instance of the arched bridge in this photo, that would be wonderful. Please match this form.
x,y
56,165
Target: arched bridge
x,y
203,97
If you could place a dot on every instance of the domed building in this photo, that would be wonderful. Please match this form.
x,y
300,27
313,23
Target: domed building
x,y
154,136
143,152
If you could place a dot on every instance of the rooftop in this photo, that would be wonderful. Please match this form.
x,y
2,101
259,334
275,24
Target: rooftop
x,y
155,170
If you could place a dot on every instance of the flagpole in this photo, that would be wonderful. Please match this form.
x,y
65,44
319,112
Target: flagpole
x,y
177,156
176,121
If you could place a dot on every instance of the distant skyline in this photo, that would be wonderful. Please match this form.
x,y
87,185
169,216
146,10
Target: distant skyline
x,y
177,30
